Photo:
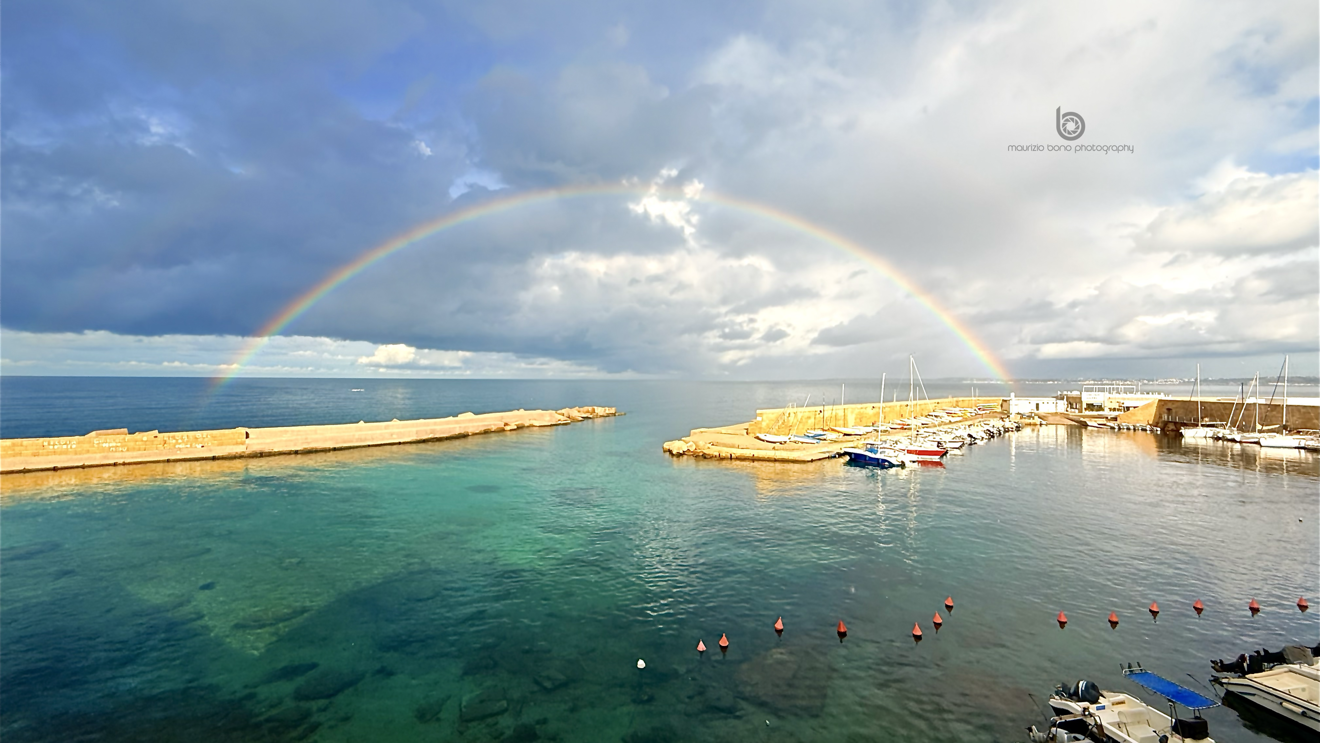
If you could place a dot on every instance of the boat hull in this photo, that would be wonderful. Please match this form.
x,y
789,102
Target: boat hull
x,y
871,459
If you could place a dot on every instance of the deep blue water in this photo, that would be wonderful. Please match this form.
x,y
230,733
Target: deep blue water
x,y
528,572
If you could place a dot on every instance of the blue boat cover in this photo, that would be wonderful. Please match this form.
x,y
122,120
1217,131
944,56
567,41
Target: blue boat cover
x,y
1169,690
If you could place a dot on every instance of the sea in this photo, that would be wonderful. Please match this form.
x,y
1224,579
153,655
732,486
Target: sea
x,y
554,584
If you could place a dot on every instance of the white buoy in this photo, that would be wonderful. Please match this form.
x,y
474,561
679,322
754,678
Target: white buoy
x,y
641,663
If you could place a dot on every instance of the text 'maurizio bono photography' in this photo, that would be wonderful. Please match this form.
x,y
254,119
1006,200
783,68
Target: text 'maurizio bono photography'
x,y
1070,126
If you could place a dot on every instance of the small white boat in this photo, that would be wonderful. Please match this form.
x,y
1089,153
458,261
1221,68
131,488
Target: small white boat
x,y
771,438
1085,712
1290,690
1282,441
1200,432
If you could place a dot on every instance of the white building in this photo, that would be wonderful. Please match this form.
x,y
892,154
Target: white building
x,y
1027,405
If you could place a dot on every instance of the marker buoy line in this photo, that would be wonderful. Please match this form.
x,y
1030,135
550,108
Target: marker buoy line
x,y
938,621
701,646
1199,607
1301,604
842,630
1254,607
724,640
779,626
1063,620
1154,610
916,631
1113,620
948,603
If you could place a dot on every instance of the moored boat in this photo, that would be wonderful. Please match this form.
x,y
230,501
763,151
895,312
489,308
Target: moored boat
x,y
1286,683
872,458
1084,712
1282,441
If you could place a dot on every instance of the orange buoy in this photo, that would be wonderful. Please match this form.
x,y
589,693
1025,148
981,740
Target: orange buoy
x,y
1063,620
1254,607
948,603
779,626
724,641
1154,610
842,630
1301,604
1113,620
701,646
938,621
1199,607
916,631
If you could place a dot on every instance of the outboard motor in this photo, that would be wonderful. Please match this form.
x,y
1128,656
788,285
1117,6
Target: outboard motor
x,y
1084,691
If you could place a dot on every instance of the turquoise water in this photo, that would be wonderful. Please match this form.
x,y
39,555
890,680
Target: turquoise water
x,y
527,573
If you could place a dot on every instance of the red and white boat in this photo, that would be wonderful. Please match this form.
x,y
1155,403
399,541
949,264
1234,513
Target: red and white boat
x,y
928,453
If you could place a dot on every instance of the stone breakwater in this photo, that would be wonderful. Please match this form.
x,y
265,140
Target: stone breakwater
x,y
740,442
118,446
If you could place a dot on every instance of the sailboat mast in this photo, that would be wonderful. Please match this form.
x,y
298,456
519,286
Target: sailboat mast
x,y
1284,427
1198,394
911,361
881,419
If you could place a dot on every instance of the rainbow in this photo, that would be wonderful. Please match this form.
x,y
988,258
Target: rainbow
x,y
301,304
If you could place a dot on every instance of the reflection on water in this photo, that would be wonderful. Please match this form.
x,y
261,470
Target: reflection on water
x,y
503,588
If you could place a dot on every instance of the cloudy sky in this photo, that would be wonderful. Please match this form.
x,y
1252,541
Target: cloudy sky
x,y
175,174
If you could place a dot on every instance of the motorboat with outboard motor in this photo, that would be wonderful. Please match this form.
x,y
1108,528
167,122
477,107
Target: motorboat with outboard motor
x,y
1085,712
1286,683
873,458
1264,660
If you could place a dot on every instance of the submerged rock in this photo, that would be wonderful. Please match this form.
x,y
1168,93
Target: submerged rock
x,y
326,684
789,681
551,680
483,705
207,586
270,617
289,672
431,709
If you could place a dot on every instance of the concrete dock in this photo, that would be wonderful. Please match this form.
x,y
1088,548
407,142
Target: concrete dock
x,y
119,447
740,442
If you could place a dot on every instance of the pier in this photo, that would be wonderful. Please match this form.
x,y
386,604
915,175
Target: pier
x,y
119,447
740,442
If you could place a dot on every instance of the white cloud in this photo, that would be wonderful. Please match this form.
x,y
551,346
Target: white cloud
x,y
1241,212
394,354
421,148
676,213
109,354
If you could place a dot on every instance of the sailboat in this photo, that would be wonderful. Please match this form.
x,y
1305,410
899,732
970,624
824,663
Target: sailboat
x,y
1283,440
1200,431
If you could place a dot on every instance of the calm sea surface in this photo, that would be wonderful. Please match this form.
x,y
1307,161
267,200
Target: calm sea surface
x,y
504,587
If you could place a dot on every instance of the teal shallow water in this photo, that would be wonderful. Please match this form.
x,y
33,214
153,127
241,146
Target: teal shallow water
x,y
529,572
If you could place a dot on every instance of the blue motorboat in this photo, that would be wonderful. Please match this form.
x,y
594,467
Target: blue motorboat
x,y
872,458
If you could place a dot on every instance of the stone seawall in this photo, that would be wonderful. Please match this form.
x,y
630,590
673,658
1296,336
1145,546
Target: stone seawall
x,y
118,446
1172,414
739,441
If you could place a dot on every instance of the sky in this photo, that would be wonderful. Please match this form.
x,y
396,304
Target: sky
x,y
756,190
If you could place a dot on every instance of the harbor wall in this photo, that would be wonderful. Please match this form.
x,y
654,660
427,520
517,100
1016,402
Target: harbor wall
x,y
1172,414
118,446
786,421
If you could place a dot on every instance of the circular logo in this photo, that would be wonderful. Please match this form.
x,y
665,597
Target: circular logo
x,y
1069,125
